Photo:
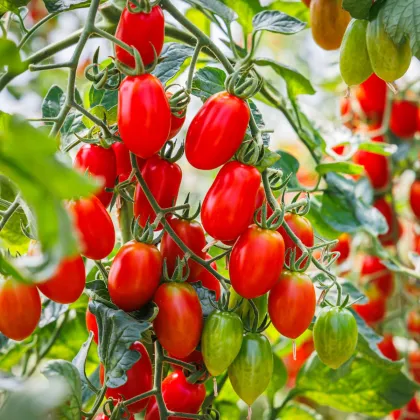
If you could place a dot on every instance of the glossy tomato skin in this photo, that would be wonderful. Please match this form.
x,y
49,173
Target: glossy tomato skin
x,y
95,227
192,235
415,198
387,348
403,121
179,395
343,247
413,324
20,309
139,380
291,304
385,208
208,280
92,325
221,340
335,336
144,115
409,412
217,131
104,417
179,322
134,275
67,284
256,262
177,120
375,275
229,205
251,371
373,311
100,163
122,156
371,95
163,179
143,31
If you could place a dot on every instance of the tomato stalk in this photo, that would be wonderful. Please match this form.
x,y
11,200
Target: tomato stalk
x,y
6,215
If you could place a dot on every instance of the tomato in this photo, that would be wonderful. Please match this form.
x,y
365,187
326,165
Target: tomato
x,y
208,280
403,121
104,417
196,358
413,324
143,31
410,412
414,364
373,311
343,247
192,235
139,380
376,275
217,131
256,262
291,304
122,155
144,114
92,325
221,340
95,227
335,336
179,395
179,322
134,275
101,163
302,228
415,198
293,364
67,284
385,208
177,120
307,2
163,179
20,309
387,348
229,205
251,371
245,310
371,95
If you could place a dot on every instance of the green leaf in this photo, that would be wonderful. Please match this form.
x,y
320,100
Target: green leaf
x,y
278,380
10,56
296,9
3,341
61,5
97,111
359,9
269,159
200,20
208,81
258,118
216,7
379,148
11,5
51,311
67,372
317,219
79,363
53,102
246,10
288,164
206,296
277,22
340,167
297,411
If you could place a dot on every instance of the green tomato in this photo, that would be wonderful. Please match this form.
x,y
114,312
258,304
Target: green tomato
x,y
335,336
252,369
245,309
221,340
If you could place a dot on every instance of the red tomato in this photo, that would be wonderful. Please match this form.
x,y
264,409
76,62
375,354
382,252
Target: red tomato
x,y
104,417
256,262
179,322
68,282
20,309
291,304
229,205
410,412
403,121
143,31
144,115
101,163
95,227
413,324
179,395
208,280
163,179
192,235
122,155
415,198
177,120
387,348
385,208
196,358
375,274
293,365
373,311
371,95
217,131
134,275
414,364
139,380
92,325
343,247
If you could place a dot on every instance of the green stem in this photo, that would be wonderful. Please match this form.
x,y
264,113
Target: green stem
x,y
34,28
9,212
140,397
192,66
163,412
180,363
98,402
125,216
102,269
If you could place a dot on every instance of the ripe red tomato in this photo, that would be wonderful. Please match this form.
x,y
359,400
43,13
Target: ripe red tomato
x,y
192,235
179,322
375,275
385,208
20,309
403,121
373,311
179,395
208,280
387,348
413,324
217,131
414,364
67,284
143,31
139,380
134,275
293,365
163,179
92,325
122,155
371,95
101,163
144,115
343,247
177,120
256,262
415,198
95,227
409,412
229,205
291,304
104,417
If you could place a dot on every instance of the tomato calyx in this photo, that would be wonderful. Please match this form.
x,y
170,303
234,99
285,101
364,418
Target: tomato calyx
x,y
241,84
250,153
252,323
146,234
141,6
187,213
139,67
267,219
181,271
178,101
168,151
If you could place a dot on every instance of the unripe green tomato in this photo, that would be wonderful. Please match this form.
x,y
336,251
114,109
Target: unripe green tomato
x,y
335,336
252,369
355,65
389,60
245,309
221,340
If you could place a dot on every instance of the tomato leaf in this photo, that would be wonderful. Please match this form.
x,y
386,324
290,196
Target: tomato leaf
x,y
51,311
79,362
289,165
317,219
208,81
269,159
277,22
359,9
296,9
246,10
278,380
11,5
10,56
61,5
3,341
216,7
258,118
206,296
340,167
294,411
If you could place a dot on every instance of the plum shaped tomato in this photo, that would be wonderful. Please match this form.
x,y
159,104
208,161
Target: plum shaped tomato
x,y
371,96
255,251
179,321
177,120
144,115
20,309
134,275
373,311
385,208
208,280
95,227
413,324
67,284
415,198
139,380
229,205
343,246
376,275
291,304
403,121
143,31
163,179
101,163
217,131
122,155
387,348
92,325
